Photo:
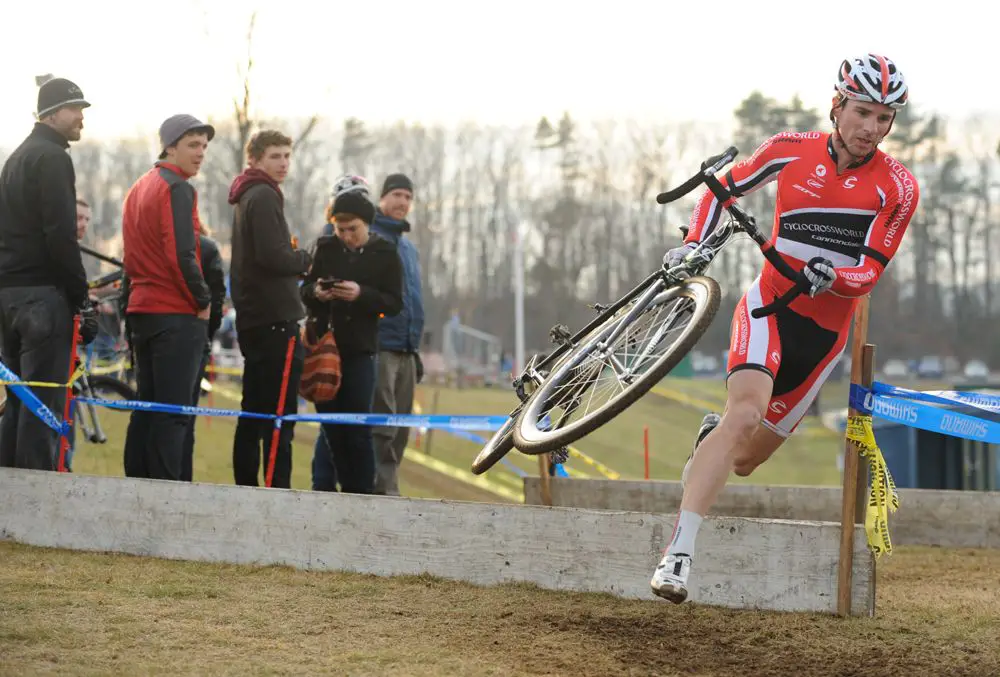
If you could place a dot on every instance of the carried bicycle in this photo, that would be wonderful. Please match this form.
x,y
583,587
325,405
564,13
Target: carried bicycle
x,y
632,343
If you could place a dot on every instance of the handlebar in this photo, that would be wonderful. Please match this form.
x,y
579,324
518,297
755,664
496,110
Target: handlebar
x,y
709,168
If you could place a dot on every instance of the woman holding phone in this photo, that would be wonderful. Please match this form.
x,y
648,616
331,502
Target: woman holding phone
x,y
356,278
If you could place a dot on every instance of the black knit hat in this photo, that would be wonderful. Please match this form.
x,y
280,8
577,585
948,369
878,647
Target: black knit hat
x,y
58,93
356,203
395,182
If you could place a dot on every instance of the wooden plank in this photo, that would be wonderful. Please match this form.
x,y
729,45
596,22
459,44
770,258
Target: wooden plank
x,y
747,563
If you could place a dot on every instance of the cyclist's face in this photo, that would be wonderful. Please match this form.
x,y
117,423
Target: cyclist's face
x,y
862,125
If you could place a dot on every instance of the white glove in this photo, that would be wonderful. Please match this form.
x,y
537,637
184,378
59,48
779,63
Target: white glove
x,y
675,256
820,274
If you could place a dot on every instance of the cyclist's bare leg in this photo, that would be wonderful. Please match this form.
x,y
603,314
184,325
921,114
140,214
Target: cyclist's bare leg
x,y
732,442
762,445
738,441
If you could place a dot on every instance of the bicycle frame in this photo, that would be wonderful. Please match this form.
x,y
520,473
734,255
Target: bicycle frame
x,y
695,263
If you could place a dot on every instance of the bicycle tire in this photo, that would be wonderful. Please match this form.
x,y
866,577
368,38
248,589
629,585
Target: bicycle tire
x,y
528,439
498,446
113,385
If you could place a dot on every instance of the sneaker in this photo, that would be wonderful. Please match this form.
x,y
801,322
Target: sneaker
x,y
671,578
708,424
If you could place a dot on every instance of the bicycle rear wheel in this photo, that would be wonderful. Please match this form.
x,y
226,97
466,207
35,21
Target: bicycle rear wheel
x,y
602,378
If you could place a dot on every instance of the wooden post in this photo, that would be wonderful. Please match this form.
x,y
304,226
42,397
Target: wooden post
x,y
543,473
855,482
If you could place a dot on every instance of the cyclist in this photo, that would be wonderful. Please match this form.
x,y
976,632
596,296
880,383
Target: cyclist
x,y
842,208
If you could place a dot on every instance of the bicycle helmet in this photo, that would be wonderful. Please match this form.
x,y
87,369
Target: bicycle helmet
x,y
350,183
872,78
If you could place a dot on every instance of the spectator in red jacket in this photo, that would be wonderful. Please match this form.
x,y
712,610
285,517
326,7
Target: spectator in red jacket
x,y
169,301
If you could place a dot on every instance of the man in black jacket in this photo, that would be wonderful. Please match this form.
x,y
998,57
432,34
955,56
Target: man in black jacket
x,y
42,280
264,273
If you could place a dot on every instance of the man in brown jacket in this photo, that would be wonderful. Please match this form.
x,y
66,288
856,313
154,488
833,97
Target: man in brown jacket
x,y
264,275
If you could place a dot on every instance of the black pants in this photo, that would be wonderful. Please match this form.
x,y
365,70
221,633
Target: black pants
x,y
264,350
187,460
36,324
168,351
346,453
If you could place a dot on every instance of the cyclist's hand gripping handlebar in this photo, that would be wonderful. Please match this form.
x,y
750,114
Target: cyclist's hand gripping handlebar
x,y
709,168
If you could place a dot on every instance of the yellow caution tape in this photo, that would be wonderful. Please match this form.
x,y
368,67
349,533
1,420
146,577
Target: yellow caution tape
x,y
595,464
883,497
230,371
46,384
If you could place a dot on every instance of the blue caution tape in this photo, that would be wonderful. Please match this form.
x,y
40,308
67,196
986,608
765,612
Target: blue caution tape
x,y
136,405
30,400
437,421
912,411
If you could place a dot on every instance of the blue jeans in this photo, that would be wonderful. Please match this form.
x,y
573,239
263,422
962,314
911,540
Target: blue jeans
x,y
345,454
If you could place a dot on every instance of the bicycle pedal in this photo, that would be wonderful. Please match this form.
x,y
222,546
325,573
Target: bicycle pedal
x,y
559,456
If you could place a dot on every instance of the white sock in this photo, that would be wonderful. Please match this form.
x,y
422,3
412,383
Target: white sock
x,y
685,532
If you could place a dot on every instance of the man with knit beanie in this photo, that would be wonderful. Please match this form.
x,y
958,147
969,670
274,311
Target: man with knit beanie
x,y
399,366
42,280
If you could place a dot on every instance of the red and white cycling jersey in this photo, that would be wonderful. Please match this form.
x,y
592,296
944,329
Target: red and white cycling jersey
x,y
855,219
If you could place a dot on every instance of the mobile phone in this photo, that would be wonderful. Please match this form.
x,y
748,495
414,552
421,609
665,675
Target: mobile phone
x,y
328,282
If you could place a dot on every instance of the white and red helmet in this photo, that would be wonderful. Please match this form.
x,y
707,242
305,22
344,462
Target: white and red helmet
x,y
350,183
874,79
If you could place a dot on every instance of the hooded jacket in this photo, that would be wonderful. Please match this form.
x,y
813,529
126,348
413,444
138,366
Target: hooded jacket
x,y
265,268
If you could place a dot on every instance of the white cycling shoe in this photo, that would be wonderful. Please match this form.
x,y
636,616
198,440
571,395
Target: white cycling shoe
x,y
670,580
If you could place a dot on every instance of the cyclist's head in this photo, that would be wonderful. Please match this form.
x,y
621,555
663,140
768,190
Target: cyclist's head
x,y
869,91
872,79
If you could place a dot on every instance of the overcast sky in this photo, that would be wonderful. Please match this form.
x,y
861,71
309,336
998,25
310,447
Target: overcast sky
x,y
510,61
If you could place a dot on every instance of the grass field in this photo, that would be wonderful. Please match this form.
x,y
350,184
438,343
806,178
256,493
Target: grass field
x,y
93,614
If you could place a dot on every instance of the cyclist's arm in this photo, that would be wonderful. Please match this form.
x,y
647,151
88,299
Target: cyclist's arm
x,y
884,236
750,175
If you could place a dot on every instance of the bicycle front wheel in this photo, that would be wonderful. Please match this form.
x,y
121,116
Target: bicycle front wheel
x,y
616,365
501,444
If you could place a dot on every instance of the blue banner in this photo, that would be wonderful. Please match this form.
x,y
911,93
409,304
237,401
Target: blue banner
x,y
984,401
916,414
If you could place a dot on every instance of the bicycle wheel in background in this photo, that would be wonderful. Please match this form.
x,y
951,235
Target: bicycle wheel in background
x,y
596,382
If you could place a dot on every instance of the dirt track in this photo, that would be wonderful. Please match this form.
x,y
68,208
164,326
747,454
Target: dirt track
x,y
81,614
